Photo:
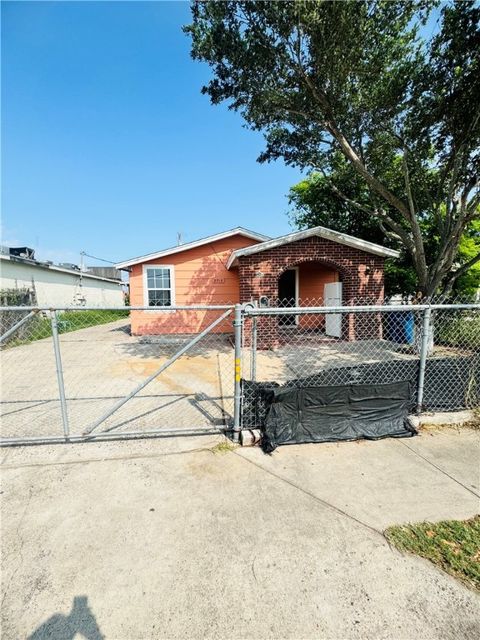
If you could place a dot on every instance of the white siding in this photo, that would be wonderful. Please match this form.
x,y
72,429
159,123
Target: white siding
x,y
56,288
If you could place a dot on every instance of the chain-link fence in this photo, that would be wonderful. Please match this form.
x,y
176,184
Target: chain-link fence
x,y
82,374
434,347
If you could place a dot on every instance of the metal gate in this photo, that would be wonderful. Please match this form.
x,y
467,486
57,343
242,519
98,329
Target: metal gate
x,y
78,375
85,374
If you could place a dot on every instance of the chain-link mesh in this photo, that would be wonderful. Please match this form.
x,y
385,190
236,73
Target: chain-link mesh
x,y
103,363
30,405
313,346
106,355
452,374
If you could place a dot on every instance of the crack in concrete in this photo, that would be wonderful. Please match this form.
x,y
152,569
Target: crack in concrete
x,y
445,473
22,543
314,497
106,459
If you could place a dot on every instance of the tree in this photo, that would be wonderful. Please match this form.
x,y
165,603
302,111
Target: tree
x,y
313,203
391,88
469,282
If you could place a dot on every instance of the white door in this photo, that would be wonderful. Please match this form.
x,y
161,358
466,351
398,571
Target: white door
x,y
332,296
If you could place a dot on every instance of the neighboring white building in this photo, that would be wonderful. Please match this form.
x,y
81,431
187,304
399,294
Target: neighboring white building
x,y
57,286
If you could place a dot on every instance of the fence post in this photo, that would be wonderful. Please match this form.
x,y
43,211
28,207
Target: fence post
x,y
237,397
58,364
253,357
423,357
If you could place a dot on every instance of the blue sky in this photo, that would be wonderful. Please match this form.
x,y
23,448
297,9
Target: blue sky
x,y
107,143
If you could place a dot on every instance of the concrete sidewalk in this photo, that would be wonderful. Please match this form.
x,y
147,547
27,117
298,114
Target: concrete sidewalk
x,y
168,539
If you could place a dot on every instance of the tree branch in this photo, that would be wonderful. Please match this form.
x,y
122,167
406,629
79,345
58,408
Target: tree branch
x,y
345,146
408,186
398,231
461,270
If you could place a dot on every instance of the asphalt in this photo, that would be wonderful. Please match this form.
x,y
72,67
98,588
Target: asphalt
x,y
173,539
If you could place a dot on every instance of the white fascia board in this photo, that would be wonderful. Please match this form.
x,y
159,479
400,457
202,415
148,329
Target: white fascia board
x,y
191,245
322,232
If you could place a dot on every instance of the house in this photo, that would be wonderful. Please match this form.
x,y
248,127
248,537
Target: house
x,y
312,267
48,285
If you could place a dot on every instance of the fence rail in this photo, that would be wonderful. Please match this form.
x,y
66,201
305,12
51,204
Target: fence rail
x,y
79,374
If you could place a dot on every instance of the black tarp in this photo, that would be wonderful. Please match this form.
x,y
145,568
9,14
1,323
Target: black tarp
x,y
335,413
451,383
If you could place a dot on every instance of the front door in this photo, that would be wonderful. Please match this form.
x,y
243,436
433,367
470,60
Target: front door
x,y
332,297
288,296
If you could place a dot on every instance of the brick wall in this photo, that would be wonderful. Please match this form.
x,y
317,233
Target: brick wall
x,y
361,274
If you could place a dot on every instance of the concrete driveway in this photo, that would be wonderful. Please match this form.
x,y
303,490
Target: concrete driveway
x,y
102,364
170,539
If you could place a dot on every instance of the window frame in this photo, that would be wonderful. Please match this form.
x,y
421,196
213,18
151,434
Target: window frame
x,y
146,289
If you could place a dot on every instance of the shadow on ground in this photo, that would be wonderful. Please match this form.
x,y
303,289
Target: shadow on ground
x,y
80,621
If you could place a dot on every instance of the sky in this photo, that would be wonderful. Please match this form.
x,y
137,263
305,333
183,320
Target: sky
x,y
108,145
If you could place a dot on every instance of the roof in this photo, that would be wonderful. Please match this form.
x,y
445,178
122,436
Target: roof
x,y
191,245
105,272
321,232
52,267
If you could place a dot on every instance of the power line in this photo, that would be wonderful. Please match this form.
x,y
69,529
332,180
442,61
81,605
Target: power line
x,y
82,253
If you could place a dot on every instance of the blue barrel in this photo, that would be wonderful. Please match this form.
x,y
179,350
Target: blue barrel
x,y
400,327
393,328
408,327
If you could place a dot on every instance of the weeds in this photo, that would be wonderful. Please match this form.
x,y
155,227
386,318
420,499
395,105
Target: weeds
x,y
39,327
223,447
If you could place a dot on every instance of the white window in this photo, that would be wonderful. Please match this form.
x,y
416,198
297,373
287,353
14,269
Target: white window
x,y
158,283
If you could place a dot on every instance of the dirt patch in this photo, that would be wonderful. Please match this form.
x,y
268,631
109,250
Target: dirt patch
x,y
181,370
474,423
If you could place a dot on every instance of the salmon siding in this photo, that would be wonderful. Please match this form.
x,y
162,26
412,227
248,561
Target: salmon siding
x,y
239,266
198,276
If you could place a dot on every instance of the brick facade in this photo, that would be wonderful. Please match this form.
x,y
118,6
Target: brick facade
x,y
360,272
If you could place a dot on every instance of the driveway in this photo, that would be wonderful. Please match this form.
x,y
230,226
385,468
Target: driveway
x,y
102,364
170,539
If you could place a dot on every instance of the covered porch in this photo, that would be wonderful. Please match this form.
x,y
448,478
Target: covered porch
x,y
311,272
309,284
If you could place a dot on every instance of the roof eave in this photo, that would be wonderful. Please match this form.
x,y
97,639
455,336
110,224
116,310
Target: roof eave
x,y
328,234
192,245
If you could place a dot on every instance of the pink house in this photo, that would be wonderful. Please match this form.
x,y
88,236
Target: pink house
x,y
308,267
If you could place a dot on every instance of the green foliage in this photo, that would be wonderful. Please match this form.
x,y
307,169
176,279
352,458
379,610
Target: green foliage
x,y
462,331
454,545
16,297
39,327
224,447
313,203
382,106
400,277
469,284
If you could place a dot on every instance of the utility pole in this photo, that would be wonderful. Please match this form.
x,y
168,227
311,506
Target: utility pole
x,y
82,265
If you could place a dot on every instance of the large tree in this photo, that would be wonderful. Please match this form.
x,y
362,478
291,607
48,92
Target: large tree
x,y
314,203
390,88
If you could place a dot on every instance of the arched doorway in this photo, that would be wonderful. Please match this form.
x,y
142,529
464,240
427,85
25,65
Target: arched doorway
x,y
311,283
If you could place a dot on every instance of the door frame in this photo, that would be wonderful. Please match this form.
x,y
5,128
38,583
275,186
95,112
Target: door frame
x,y
297,288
